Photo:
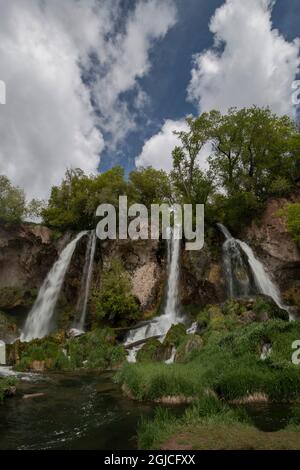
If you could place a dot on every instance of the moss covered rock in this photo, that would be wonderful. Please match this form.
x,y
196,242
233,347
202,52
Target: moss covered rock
x,y
153,351
175,335
13,298
190,344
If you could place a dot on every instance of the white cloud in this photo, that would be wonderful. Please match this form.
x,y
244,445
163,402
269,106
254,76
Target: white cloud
x,y
157,151
251,63
48,122
126,60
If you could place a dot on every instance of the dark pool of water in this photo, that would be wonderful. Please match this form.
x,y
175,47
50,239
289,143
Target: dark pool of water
x,y
78,412
269,417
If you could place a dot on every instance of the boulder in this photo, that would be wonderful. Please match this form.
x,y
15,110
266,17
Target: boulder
x,y
191,344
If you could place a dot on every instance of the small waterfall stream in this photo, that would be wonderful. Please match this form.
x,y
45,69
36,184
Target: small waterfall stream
x,y
86,280
245,274
159,326
40,319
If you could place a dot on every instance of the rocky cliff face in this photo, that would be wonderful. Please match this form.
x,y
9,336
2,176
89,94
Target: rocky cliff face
x,y
276,248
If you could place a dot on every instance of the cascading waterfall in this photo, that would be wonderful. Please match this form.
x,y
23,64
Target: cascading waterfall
x,y
239,258
86,280
238,276
40,319
159,326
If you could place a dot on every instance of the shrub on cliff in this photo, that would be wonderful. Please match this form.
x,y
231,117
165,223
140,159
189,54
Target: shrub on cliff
x,y
115,302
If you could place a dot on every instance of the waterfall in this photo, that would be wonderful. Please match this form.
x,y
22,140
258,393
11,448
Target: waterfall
x,y
239,257
86,280
40,319
239,278
159,326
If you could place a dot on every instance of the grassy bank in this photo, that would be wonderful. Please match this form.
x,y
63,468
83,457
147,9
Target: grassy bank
x,y
212,425
229,364
95,350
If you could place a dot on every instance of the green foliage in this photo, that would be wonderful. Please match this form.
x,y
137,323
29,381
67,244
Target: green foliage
x,y
149,186
5,385
152,351
207,410
12,202
191,184
175,335
73,204
292,215
94,350
12,297
114,301
229,364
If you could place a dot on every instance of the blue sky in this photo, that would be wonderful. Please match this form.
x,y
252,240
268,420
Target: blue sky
x,y
96,83
171,59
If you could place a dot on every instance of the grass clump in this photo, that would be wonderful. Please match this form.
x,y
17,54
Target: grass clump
x,y
207,410
5,385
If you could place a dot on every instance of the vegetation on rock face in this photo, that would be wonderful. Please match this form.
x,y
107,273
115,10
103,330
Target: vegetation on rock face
x,y
114,301
14,297
292,216
94,350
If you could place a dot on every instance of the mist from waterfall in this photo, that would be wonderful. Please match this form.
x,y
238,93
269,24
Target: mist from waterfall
x,y
40,319
159,326
86,280
245,274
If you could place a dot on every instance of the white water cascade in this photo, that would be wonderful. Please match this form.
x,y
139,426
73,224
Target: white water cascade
x,y
263,284
86,280
40,319
159,326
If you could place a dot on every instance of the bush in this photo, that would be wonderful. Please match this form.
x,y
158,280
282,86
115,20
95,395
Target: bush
x,y
115,301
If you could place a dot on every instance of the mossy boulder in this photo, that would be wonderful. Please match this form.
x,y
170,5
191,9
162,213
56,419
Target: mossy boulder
x,y
153,351
190,345
266,309
175,336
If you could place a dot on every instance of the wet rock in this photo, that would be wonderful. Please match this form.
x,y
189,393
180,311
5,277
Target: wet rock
x,y
191,344
33,395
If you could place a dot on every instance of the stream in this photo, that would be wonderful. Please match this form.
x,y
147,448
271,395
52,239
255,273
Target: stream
x,y
83,411
87,411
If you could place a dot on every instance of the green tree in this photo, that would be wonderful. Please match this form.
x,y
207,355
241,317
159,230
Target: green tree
x,y
149,186
254,151
73,204
190,182
12,202
114,301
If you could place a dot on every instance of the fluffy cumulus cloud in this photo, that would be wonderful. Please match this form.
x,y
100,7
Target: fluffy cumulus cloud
x,y
66,65
250,63
157,151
